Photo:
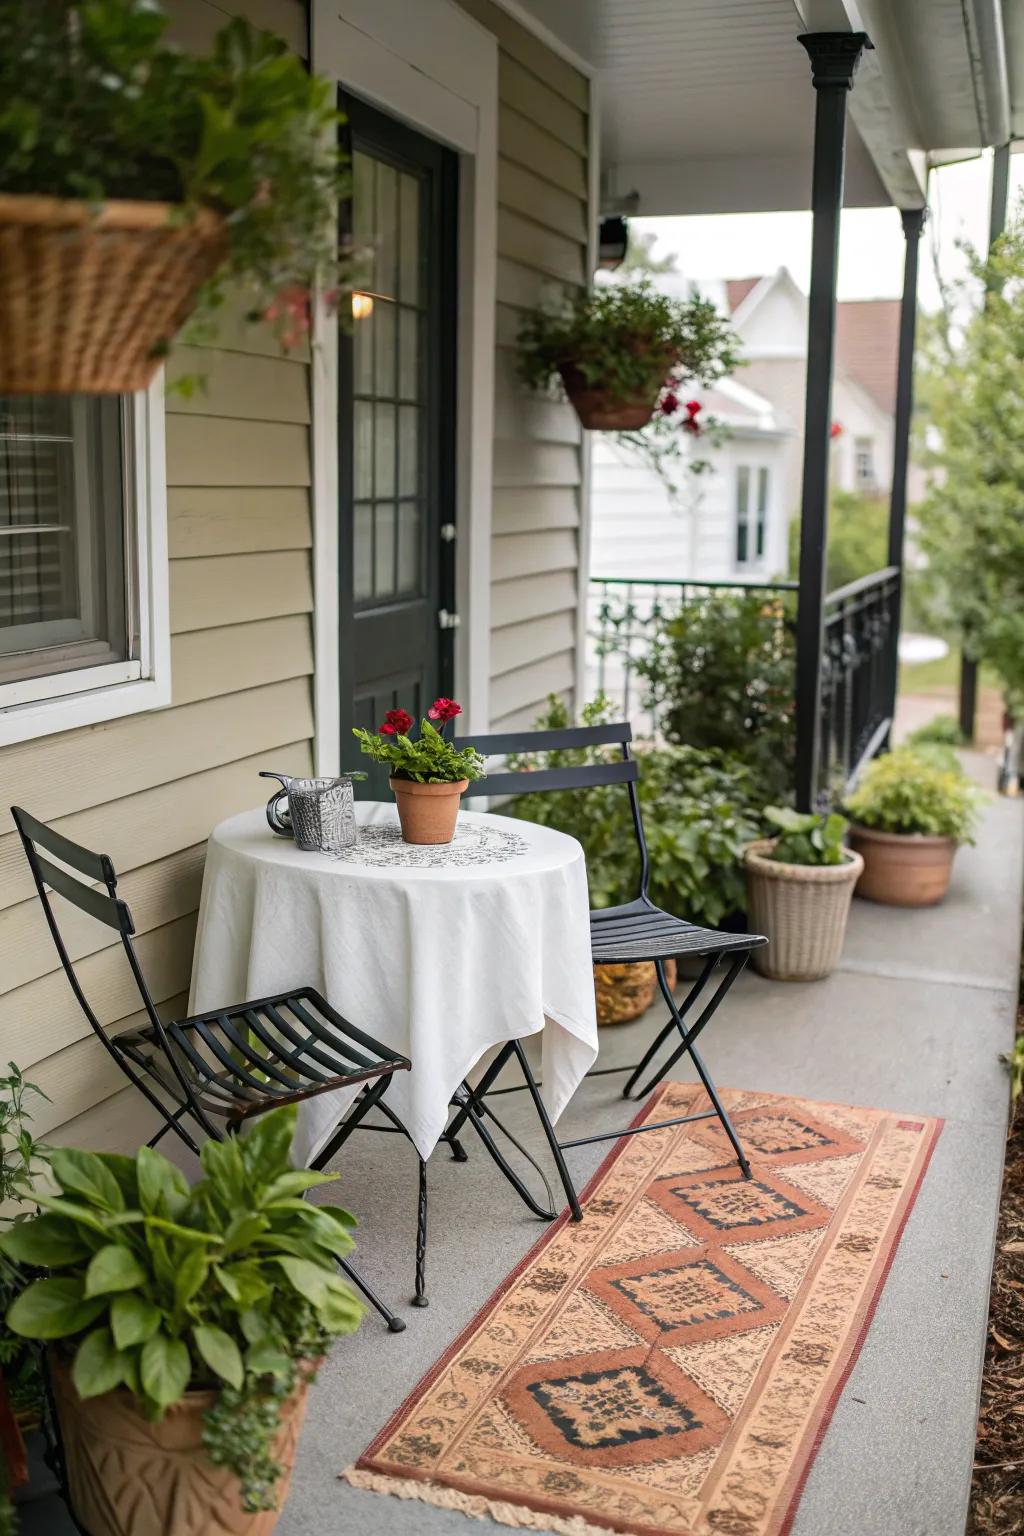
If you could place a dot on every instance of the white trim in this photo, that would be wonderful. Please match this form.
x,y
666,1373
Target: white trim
x,y
550,38
435,68
96,694
586,523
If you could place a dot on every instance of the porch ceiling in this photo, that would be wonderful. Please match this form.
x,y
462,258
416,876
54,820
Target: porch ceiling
x,y
707,105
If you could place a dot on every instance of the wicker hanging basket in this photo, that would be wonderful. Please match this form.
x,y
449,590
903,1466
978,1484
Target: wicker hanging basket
x,y
624,992
90,298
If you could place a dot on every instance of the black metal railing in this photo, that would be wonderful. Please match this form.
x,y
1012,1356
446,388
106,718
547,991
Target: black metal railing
x,y
622,615
859,660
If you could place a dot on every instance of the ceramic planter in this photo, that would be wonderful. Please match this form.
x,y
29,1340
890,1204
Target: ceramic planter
x,y
600,411
90,299
128,1477
428,812
802,911
624,992
903,869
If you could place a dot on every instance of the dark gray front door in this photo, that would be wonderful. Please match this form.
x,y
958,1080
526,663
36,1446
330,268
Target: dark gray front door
x,y
397,426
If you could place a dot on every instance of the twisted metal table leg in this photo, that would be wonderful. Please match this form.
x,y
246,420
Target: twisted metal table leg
x,y
420,1299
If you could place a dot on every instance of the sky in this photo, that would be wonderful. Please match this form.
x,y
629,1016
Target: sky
x,y
870,240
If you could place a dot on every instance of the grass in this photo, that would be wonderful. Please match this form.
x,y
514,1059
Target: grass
x,y
941,675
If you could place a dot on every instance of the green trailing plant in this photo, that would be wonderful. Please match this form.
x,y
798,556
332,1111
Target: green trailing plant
x,y
96,105
698,811
161,1287
1014,1060
428,758
806,838
626,339
720,673
908,792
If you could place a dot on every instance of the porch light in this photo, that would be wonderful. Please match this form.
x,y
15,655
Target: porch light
x,y
362,306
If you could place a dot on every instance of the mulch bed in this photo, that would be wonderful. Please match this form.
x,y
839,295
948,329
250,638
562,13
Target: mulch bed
x,y
997,1491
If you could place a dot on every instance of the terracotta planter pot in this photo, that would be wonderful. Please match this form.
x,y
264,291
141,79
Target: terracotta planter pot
x,y
624,992
599,411
128,1477
428,812
903,869
801,909
90,299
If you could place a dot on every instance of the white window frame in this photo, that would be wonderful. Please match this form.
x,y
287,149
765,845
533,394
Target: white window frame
x,y
62,701
756,520
864,446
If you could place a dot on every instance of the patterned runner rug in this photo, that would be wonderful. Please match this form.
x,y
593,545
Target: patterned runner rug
x,y
668,1366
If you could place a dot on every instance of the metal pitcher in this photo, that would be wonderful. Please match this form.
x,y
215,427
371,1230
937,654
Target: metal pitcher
x,y
320,814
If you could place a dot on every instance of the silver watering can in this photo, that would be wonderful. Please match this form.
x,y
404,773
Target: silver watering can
x,y
320,814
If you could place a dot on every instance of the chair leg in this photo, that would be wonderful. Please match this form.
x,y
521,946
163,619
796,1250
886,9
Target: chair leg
x,y
549,1131
476,1120
659,1039
420,1298
395,1324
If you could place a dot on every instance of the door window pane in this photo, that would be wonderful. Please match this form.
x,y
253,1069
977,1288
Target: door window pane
x,y
384,550
409,283
384,450
386,246
362,449
408,450
362,552
384,319
409,354
409,559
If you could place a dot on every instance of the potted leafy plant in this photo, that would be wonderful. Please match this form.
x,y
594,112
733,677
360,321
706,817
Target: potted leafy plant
x,y
184,1325
799,887
428,774
618,347
138,181
909,814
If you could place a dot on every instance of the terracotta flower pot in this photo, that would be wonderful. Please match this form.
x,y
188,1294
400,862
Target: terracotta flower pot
x,y
802,911
600,411
903,869
624,992
128,1477
428,812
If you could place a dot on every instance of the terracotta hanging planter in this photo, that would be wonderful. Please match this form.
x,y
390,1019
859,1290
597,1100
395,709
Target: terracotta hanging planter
x,y
130,1477
428,812
903,869
600,411
90,298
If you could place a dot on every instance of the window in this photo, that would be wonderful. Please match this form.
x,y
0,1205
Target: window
x,y
864,462
82,561
751,513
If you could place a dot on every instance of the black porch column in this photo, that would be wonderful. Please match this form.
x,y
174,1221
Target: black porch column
x,y
834,57
996,225
913,224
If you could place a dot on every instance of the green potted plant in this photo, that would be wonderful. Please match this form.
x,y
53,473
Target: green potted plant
x,y
909,814
428,774
620,347
184,1324
138,182
799,888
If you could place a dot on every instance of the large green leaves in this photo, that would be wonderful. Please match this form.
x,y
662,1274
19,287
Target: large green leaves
x,y
85,1174
164,1369
220,1352
133,1320
163,1189
99,1366
113,1268
53,1309
47,1242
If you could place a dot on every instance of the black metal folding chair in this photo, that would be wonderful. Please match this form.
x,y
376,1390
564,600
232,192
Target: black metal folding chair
x,y
219,1069
636,930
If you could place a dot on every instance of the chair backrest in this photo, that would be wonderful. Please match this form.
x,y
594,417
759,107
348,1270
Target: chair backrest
x,y
531,781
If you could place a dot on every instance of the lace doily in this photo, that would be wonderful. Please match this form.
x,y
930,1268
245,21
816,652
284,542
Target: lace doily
x,y
382,846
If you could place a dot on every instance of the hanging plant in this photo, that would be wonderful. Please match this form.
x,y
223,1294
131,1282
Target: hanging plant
x,y
140,184
618,347
668,442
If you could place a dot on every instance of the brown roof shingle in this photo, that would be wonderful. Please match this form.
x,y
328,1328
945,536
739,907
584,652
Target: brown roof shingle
x,y
867,346
736,290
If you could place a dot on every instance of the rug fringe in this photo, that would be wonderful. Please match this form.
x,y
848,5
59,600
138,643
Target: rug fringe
x,y
475,1506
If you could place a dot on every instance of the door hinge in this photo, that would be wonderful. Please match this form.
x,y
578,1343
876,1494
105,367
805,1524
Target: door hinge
x,y
446,620
447,533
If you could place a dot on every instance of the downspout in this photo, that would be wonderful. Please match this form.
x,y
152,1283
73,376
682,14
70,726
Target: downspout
x,y
986,47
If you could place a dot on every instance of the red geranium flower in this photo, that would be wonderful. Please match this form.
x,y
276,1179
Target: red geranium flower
x,y
669,403
443,710
692,407
397,722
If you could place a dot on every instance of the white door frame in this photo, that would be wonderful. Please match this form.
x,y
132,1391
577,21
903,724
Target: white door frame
x,y
433,67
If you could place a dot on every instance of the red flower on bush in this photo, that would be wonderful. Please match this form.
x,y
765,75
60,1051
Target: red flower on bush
x,y
397,722
444,709
691,424
669,403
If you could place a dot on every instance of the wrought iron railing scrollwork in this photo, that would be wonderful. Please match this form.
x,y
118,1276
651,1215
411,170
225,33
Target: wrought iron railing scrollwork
x,y
858,672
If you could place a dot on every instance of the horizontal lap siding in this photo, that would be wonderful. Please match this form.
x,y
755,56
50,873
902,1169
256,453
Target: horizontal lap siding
x,y
543,220
147,789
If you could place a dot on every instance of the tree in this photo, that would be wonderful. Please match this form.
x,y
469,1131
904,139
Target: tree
x,y
640,257
858,538
972,525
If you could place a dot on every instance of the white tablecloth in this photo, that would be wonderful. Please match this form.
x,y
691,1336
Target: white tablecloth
x,y
440,953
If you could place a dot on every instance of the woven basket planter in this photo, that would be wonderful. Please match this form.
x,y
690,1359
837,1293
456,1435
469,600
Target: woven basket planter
x,y
91,298
801,909
624,992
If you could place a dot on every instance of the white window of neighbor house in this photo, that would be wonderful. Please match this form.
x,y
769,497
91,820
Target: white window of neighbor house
x,y
864,462
83,580
752,492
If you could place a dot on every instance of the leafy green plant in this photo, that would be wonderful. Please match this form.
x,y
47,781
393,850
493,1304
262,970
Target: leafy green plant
x,y
1014,1059
95,104
430,758
698,815
943,731
720,674
806,838
908,792
627,340
161,1287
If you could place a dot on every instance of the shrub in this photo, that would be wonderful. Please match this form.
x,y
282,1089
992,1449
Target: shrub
x,y
720,675
943,731
908,792
698,816
806,838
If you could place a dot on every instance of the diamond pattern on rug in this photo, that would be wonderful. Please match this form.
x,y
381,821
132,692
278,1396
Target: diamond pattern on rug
x,y
686,1296
725,1367
825,1181
585,1325
780,1262
648,1229
599,1410
724,1206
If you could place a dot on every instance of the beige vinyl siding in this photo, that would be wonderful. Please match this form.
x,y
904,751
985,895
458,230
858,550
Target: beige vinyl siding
x,y
147,788
543,219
